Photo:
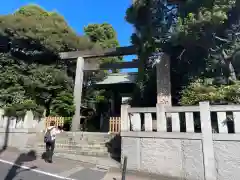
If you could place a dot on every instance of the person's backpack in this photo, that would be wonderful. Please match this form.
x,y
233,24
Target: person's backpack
x,y
47,136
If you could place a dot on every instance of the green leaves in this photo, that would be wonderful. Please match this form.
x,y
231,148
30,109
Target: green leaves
x,y
62,105
100,32
199,90
48,29
30,75
105,36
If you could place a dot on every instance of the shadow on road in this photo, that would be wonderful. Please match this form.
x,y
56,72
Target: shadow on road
x,y
16,169
44,156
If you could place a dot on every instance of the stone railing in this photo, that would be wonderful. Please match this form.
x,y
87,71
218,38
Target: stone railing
x,y
190,142
164,119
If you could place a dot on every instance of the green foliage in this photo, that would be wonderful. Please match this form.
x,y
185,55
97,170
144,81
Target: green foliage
x,y
201,90
197,19
49,29
31,76
101,33
104,35
20,109
152,21
202,37
62,105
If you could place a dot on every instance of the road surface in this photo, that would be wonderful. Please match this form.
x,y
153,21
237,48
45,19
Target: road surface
x,y
16,166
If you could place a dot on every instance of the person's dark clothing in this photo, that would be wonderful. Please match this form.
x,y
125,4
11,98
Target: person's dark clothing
x,y
50,150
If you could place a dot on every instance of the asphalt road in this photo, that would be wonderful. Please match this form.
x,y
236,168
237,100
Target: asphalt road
x,y
19,167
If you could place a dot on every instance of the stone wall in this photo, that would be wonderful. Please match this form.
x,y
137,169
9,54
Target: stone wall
x,y
180,155
74,143
164,154
27,134
177,154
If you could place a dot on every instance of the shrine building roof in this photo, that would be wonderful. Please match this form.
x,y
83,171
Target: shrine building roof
x,y
119,78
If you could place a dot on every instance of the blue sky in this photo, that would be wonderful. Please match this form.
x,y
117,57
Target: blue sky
x,y
80,13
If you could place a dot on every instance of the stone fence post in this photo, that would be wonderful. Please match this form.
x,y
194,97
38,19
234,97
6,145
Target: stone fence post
x,y
207,142
125,122
28,120
161,118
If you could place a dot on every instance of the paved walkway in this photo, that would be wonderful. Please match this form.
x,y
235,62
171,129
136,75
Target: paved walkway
x,y
24,166
101,161
15,165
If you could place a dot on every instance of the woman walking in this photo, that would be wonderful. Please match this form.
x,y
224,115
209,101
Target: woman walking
x,y
49,139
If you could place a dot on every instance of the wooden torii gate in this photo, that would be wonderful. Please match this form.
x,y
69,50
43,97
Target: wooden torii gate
x,y
84,63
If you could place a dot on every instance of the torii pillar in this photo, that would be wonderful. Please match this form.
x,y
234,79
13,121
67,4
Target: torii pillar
x,y
78,94
164,80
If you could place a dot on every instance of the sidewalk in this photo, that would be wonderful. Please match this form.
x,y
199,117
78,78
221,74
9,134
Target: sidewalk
x,y
96,169
59,165
99,161
116,174
103,162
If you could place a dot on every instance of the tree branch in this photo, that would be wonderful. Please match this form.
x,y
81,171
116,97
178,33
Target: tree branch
x,y
221,39
180,56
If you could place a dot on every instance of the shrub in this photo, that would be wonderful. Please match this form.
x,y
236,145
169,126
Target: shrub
x,y
200,90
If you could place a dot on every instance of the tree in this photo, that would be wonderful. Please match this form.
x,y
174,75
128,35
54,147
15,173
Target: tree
x,y
204,33
104,35
49,29
153,21
212,27
32,77
45,83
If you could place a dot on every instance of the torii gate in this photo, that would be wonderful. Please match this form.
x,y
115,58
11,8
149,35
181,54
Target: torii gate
x,y
84,64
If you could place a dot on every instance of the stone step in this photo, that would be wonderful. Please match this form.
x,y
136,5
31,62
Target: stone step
x,y
82,140
89,146
82,143
78,138
86,152
103,151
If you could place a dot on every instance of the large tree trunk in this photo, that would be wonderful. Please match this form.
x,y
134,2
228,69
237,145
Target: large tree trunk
x,y
232,74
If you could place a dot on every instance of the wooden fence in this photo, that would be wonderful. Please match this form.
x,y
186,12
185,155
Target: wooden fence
x,y
59,121
114,124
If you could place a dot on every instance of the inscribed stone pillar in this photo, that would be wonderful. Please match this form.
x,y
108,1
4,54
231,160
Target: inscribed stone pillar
x,y
78,94
164,80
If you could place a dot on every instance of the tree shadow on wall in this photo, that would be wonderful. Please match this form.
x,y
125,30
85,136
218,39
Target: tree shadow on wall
x,y
6,137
